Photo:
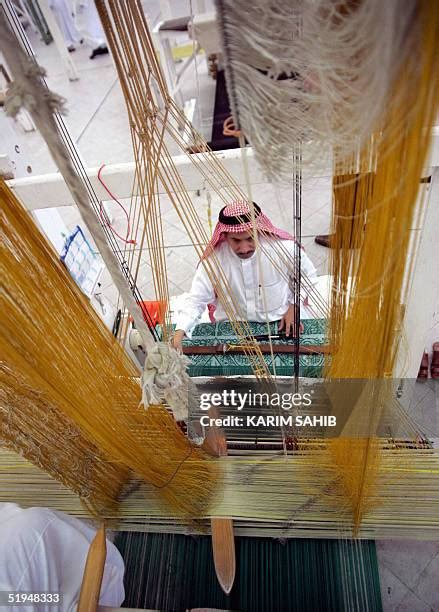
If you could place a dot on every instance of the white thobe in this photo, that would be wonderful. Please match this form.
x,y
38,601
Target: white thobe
x,y
88,23
64,18
261,290
44,550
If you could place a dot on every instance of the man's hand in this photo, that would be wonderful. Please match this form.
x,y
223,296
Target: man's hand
x,y
288,322
177,340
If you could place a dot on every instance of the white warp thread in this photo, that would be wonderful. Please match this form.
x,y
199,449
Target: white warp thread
x,y
337,62
29,90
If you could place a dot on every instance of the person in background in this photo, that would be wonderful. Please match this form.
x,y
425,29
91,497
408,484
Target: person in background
x,y
89,25
64,17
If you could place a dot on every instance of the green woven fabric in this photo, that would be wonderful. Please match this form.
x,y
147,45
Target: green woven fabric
x,y
232,364
175,572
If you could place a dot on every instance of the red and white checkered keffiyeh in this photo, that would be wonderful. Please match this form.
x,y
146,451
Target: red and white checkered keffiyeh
x,y
236,218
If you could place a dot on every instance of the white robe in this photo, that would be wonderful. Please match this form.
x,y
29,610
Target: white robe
x,y
45,550
260,294
88,23
63,15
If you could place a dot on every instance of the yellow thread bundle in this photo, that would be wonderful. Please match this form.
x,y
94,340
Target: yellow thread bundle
x,y
62,357
365,327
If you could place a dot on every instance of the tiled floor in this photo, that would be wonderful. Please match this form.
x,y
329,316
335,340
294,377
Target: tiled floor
x,y
409,570
409,575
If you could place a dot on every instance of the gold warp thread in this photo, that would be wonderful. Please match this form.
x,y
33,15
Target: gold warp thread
x,y
373,213
54,342
137,67
30,424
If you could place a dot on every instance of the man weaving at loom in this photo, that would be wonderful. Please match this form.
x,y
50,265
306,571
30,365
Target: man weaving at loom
x,y
261,283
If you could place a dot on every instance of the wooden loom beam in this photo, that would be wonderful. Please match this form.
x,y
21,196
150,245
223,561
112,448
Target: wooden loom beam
x,y
224,348
223,540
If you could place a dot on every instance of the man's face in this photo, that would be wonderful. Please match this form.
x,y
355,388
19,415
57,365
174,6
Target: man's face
x,y
242,244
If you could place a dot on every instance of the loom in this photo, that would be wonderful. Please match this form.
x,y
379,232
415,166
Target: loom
x,y
319,487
